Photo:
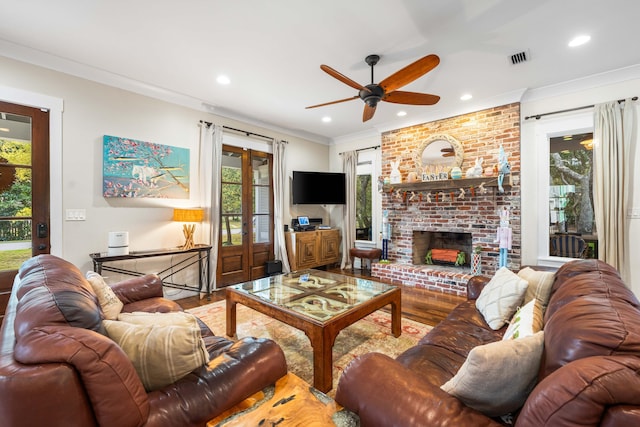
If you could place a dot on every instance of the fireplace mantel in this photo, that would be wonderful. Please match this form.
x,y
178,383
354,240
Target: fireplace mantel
x,y
448,184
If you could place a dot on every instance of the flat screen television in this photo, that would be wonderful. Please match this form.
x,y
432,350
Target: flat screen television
x,y
318,188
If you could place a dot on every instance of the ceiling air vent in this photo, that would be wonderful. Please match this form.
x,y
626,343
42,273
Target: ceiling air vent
x,y
519,57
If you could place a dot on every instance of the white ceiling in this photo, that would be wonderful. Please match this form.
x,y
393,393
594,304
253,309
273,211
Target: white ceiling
x,y
272,51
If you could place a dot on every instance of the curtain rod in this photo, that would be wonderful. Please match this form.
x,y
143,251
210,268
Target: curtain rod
x,y
245,132
375,147
537,116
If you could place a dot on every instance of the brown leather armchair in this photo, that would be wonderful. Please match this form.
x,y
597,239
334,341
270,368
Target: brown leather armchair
x,y
54,355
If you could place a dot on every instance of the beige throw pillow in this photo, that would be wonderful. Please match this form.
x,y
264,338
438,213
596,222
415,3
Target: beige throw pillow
x,y
540,283
496,378
174,318
500,297
109,303
527,321
160,355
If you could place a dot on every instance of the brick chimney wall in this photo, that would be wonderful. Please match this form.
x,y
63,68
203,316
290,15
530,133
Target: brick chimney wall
x,y
481,133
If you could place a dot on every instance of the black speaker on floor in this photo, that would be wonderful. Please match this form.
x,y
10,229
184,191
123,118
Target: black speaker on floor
x,y
273,267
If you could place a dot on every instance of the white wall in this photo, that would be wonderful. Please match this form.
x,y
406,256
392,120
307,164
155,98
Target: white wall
x,y
92,110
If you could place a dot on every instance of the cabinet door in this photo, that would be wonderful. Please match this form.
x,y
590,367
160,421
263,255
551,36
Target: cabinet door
x,y
329,247
306,250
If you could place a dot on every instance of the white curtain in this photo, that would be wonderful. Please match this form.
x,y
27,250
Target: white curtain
x,y
210,170
279,181
349,164
614,126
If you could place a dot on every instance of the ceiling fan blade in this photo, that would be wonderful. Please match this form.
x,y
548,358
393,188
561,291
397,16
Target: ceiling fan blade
x,y
448,155
344,79
410,73
412,98
334,102
368,113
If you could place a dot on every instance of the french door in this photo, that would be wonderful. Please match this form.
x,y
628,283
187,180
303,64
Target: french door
x,y
24,190
246,215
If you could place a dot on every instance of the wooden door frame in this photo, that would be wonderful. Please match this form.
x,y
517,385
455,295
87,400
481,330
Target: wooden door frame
x,y
253,266
55,106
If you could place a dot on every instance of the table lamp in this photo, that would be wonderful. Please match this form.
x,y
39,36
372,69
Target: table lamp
x,y
188,215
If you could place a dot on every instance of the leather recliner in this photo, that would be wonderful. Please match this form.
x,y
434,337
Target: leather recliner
x,y
57,368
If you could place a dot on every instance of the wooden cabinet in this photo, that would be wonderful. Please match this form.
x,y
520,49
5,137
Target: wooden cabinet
x,y
310,249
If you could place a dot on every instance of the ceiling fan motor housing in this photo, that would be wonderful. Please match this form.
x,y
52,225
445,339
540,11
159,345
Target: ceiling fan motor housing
x,y
372,95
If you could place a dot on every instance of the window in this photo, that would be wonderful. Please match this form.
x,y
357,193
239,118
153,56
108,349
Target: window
x,y
536,204
366,195
571,215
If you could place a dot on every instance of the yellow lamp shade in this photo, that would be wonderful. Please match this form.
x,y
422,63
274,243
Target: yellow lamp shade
x,y
188,215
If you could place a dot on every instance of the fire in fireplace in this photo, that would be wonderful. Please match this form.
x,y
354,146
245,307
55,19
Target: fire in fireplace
x,y
447,246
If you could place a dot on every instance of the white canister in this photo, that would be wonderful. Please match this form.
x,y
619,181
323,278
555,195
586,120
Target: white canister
x,y
118,243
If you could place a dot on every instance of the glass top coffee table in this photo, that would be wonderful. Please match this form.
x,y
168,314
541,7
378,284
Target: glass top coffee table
x,y
320,304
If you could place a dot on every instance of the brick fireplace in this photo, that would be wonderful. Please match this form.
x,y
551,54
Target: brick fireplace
x,y
468,212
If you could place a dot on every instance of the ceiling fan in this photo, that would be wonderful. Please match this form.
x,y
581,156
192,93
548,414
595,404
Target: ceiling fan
x,y
386,91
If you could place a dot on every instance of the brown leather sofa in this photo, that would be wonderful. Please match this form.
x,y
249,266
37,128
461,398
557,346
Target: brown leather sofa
x,y
589,373
58,369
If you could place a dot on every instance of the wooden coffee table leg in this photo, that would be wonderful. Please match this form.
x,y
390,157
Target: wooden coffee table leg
x,y
396,315
322,340
231,317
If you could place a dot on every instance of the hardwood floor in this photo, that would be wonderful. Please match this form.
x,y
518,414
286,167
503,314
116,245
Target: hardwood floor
x,y
420,305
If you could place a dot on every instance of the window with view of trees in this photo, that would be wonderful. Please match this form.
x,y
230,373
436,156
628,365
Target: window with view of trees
x,y
365,195
570,188
363,208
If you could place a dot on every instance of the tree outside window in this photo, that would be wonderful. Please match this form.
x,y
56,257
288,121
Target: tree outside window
x,y
363,208
571,181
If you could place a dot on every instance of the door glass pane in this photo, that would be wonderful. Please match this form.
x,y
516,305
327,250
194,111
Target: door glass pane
x,y
261,199
15,190
231,200
571,216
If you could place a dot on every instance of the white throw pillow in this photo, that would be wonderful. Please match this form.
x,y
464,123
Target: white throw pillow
x,y
540,283
161,355
109,303
500,297
496,378
527,321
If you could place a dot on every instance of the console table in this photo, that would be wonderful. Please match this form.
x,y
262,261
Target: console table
x,y
199,255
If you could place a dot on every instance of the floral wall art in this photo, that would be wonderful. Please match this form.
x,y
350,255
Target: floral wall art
x,y
134,168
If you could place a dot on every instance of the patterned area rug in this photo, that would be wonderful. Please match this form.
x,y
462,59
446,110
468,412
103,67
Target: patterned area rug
x,y
372,333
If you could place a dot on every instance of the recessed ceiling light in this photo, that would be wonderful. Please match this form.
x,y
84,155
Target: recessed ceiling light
x,y
326,119
466,97
579,40
223,80
401,113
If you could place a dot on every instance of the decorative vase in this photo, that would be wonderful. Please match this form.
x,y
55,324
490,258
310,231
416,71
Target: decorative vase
x,y
476,264
456,173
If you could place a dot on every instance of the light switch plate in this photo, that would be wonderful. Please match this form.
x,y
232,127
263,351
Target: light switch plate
x,y
75,215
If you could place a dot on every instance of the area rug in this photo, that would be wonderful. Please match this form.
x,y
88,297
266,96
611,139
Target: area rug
x,y
372,333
